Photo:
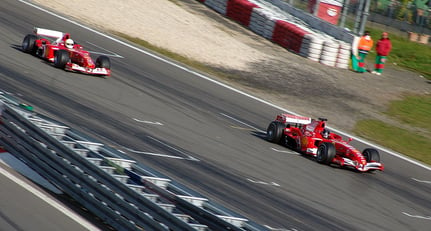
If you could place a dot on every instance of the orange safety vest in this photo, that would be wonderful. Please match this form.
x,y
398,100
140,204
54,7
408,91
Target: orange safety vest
x,y
365,44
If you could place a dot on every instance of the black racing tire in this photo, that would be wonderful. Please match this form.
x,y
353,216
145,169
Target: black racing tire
x,y
61,57
103,62
274,132
28,44
371,155
325,153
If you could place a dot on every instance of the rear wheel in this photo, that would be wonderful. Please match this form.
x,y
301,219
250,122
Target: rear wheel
x,y
103,62
28,44
274,132
61,58
325,153
371,155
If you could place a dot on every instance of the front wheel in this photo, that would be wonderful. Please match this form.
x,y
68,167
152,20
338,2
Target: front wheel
x,y
325,153
103,62
371,155
61,58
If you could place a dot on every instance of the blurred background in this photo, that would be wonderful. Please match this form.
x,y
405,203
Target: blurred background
x,y
410,18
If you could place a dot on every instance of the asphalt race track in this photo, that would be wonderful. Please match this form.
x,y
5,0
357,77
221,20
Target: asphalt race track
x,y
205,136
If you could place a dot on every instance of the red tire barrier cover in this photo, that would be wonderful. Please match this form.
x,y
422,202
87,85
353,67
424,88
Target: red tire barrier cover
x,y
240,11
288,35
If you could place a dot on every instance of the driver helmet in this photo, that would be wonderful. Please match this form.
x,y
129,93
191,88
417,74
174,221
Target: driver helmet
x,y
69,43
325,133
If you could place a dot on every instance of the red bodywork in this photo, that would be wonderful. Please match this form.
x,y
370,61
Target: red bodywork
x,y
305,135
48,42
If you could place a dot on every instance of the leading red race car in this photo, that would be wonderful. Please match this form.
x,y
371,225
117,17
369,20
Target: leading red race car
x,y
311,137
58,48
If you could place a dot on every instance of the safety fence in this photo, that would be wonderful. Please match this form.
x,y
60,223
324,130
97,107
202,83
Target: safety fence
x,y
124,194
279,22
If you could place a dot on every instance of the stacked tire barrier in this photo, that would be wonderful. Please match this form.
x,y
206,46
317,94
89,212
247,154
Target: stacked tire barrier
x,y
262,22
240,11
343,57
329,53
285,30
121,192
218,5
311,47
288,35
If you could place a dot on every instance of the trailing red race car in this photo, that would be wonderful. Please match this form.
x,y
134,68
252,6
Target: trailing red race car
x,y
311,137
58,48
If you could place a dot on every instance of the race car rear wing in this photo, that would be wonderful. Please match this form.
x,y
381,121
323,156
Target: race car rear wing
x,y
287,118
48,33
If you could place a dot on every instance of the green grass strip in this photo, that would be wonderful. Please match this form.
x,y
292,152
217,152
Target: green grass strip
x,y
397,139
413,110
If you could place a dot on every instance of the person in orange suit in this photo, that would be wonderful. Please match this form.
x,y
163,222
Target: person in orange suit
x,y
364,46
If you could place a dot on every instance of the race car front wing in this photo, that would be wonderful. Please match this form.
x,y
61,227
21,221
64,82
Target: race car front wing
x,y
86,70
359,166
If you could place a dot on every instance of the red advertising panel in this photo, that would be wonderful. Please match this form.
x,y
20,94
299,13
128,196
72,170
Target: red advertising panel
x,y
328,10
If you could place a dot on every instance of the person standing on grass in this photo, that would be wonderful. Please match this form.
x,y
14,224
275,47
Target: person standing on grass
x,y
383,48
364,46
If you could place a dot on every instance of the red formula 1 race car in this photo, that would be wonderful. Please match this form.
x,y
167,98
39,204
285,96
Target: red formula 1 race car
x,y
58,48
311,137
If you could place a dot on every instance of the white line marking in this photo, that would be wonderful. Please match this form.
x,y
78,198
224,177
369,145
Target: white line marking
x,y
100,53
189,157
242,128
155,154
263,182
285,151
48,200
422,181
390,152
280,229
230,117
113,54
147,122
417,216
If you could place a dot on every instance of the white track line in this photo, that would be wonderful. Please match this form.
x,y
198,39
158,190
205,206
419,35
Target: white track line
x,y
285,151
147,122
280,229
422,181
155,154
254,128
263,182
189,157
113,54
417,216
399,155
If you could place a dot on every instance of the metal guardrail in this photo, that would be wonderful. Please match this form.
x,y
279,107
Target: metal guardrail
x,y
116,189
